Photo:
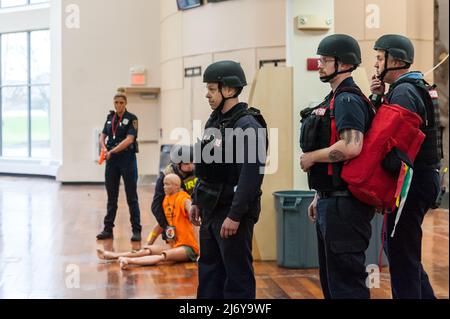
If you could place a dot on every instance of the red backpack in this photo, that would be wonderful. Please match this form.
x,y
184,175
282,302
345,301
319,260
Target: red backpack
x,y
392,126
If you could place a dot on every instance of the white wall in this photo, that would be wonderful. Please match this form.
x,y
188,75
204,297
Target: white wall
x,y
307,86
246,31
412,18
237,24
113,36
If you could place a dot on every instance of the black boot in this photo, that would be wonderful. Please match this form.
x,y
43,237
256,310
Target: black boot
x,y
136,236
105,234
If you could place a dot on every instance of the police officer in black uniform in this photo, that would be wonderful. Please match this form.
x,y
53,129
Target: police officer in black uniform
x,y
227,196
342,221
182,164
395,54
121,131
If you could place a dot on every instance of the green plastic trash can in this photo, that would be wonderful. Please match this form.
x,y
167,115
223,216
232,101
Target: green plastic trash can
x,y
297,237
296,234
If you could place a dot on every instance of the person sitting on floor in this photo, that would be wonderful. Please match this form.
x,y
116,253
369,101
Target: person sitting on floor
x,y
180,233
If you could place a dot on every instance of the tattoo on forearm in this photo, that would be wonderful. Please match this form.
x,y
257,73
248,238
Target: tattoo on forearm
x,y
336,156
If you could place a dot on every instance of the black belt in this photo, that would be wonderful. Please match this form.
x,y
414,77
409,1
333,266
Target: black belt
x,y
333,194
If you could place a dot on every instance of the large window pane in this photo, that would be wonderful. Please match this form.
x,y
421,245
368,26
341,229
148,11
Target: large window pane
x,y
40,124
12,3
40,57
15,121
14,58
23,130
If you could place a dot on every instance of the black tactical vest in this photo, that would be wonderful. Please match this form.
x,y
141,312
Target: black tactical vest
x,y
431,152
315,134
215,140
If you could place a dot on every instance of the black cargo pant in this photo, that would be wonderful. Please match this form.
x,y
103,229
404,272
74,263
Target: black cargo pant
x,y
225,267
404,250
122,165
343,233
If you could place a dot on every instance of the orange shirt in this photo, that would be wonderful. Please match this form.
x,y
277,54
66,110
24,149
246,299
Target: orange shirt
x,y
178,217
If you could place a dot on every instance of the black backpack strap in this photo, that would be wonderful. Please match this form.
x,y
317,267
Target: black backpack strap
x,y
232,121
258,116
256,113
419,83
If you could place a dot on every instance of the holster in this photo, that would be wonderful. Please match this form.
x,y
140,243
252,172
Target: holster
x,y
208,194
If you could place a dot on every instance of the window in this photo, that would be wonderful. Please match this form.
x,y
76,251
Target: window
x,y
25,94
17,3
188,4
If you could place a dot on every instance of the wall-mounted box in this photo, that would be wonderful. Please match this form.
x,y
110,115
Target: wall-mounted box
x,y
313,23
312,64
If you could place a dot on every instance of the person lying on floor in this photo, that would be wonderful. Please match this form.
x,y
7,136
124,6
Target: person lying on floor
x,y
180,233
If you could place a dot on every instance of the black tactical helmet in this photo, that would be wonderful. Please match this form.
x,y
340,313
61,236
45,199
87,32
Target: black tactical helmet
x,y
345,48
182,154
398,46
227,73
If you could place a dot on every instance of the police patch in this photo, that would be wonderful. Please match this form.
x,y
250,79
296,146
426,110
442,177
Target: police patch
x,y
126,121
135,124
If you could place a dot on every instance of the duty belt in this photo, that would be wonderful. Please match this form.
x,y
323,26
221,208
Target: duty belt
x,y
324,195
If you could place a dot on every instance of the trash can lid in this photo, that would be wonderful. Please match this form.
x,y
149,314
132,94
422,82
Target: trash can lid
x,y
294,193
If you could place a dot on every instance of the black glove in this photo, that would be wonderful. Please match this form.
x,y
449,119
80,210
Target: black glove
x,y
393,161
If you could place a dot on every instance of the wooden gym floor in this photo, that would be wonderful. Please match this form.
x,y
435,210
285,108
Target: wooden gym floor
x,y
48,250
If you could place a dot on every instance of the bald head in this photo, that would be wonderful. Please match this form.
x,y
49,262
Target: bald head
x,y
172,184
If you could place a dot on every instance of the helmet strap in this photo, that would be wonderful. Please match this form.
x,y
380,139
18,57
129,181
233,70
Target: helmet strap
x,y
328,78
225,99
386,69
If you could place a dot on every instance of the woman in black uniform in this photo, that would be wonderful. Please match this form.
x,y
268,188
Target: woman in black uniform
x,y
119,143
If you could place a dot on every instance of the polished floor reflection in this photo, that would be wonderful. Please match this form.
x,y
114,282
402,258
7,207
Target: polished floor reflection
x,y
48,250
